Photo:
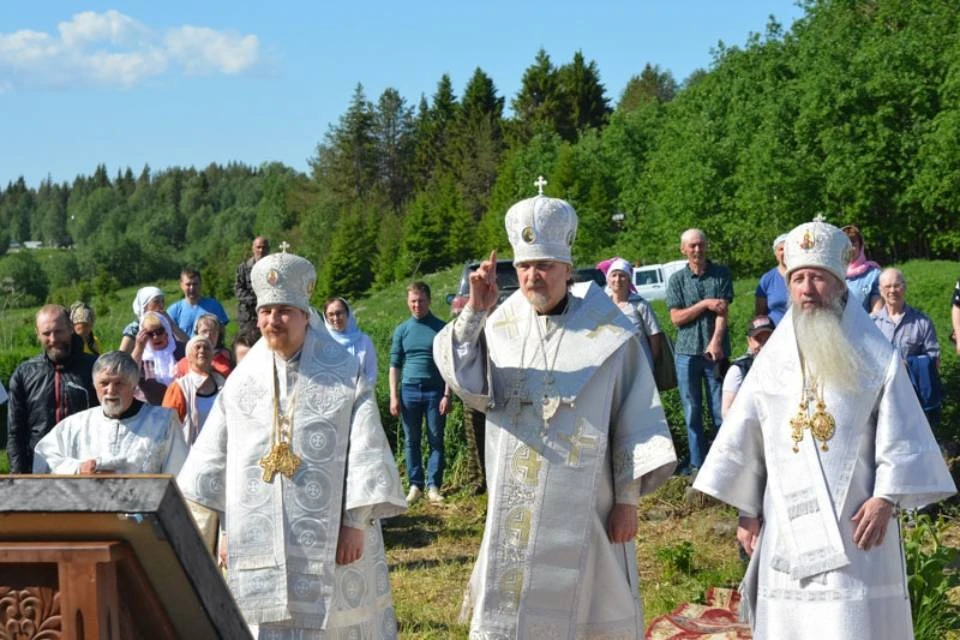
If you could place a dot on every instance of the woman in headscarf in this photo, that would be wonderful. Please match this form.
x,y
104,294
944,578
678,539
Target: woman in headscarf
x,y
147,299
82,317
192,395
770,297
619,273
341,324
208,326
863,276
157,353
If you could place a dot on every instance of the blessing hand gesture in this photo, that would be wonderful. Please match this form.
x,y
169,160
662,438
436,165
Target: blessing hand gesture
x,y
483,285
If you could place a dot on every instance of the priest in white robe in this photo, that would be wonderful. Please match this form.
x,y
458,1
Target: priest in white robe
x,y
122,435
823,444
294,458
575,434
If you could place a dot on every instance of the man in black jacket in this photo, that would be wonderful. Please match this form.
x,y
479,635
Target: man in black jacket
x,y
49,387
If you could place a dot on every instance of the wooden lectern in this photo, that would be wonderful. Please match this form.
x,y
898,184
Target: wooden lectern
x,y
107,557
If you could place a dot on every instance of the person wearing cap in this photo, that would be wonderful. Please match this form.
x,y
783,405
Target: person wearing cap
x,y
758,331
913,335
862,275
698,297
771,297
825,441
294,459
575,434
619,272
82,316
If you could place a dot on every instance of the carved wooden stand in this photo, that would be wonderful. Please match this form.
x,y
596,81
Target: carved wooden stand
x,y
84,590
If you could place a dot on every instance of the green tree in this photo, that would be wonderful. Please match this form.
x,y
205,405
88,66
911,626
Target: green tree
x,y
653,84
540,105
346,162
585,96
394,133
23,280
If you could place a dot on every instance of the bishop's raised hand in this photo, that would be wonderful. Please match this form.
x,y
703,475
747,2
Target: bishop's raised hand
x,y
483,285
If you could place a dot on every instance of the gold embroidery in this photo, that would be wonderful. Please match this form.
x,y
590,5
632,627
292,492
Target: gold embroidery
x,y
606,324
508,323
526,465
511,584
518,527
578,442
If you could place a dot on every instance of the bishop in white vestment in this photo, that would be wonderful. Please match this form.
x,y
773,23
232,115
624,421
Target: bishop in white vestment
x,y
824,440
294,457
575,434
122,435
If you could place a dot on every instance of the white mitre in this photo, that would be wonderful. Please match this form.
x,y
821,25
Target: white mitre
x,y
541,228
818,244
283,278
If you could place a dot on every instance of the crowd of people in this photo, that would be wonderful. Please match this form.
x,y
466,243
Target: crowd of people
x,y
279,449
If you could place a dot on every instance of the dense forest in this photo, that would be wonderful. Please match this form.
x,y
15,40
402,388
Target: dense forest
x,y
853,112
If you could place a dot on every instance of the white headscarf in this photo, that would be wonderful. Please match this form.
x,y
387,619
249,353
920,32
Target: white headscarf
x,y
143,298
164,362
351,334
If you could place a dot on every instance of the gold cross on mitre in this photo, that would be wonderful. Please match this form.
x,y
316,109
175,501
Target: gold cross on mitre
x,y
819,218
540,183
284,246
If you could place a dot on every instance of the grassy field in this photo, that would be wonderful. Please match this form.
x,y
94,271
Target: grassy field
x,y
683,547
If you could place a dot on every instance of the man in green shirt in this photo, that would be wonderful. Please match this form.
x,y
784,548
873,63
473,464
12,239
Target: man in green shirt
x,y
417,390
698,297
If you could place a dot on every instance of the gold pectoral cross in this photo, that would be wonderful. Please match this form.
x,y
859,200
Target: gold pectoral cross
x,y
280,460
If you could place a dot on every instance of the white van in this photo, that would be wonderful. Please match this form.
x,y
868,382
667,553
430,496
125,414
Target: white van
x,y
651,280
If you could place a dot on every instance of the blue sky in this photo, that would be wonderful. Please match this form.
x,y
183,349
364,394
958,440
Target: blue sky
x,y
189,83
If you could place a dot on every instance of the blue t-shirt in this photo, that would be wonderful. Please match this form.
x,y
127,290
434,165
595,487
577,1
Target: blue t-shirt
x,y
412,351
773,287
186,314
865,287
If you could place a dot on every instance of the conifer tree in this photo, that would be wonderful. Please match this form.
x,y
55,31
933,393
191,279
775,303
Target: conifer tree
x,y
585,96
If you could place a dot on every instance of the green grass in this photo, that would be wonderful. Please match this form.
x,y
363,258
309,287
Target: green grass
x,y
683,548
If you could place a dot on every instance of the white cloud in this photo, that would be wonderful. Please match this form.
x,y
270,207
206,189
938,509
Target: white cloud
x,y
90,28
203,50
112,49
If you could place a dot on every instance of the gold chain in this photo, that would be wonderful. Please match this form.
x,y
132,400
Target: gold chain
x,y
281,458
821,424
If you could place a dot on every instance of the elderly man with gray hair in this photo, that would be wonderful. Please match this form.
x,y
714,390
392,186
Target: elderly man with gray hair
x,y
913,335
824,442
122,435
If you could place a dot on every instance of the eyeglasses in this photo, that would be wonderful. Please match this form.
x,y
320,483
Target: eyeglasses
x,y
336,314
892,287
156,333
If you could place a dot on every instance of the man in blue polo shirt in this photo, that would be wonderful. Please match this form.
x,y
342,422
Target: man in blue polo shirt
x,y
698,297
417,390
186,311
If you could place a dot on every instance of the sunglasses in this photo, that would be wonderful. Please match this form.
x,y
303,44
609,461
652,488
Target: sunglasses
x,y
156,333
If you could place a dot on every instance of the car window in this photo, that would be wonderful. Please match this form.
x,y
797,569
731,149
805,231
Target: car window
x,y
649,276
507,276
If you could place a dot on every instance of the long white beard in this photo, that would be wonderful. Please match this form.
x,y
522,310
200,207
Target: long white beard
x,y
827,353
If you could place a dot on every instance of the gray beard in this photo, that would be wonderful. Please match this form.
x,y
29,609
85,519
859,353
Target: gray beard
x,y
827,353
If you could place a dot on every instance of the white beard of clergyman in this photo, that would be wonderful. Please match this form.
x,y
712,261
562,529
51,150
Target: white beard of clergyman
x,y
827,354
112,407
